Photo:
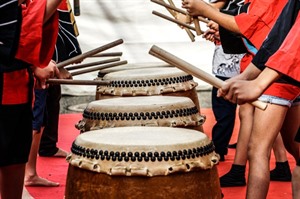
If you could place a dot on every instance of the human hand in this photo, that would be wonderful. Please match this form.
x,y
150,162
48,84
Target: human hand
x,y
183,18
64,74
240,91
43,74
211,35
194,7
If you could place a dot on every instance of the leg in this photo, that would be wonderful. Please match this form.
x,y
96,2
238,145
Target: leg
x,y
289,130
50,135
296,181
31,176
224,112
282,171
11,181
259,149
236,175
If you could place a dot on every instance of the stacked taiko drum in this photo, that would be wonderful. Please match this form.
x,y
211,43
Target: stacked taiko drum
x,y
128,147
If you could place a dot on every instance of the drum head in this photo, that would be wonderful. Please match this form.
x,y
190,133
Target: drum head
x,y
146,151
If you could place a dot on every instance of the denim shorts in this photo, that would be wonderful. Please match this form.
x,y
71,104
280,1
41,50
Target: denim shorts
x,y
279,101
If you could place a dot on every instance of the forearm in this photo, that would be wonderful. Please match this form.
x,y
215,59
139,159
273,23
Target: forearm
x,y
266,78
51,8
224,20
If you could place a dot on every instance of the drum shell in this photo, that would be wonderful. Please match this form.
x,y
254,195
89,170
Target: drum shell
x,y
201,184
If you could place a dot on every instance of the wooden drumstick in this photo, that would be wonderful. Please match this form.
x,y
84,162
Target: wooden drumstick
x,y
172,12
197,26
81,57
98,68
112,54
77,82
188,68
78,66
173,20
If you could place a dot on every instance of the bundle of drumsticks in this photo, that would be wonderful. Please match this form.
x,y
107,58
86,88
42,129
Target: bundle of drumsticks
x,y
181,18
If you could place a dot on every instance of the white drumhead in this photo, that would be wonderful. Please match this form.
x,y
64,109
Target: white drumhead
x,y
145,151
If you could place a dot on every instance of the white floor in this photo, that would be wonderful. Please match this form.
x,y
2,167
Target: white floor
x,y
104,21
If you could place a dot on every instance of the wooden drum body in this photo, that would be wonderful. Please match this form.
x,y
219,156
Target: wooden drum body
x,y
143,162
168,111
149,81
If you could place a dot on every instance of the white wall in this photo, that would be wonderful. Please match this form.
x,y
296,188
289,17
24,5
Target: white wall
x,y
104,21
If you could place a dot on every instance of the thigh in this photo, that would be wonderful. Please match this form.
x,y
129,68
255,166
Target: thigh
x,y
266,126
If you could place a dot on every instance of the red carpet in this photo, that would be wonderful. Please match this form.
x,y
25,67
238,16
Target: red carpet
x,y
55,169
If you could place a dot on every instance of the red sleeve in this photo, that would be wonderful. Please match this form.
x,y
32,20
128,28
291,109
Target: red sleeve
x,y
286,60
260,18
37,40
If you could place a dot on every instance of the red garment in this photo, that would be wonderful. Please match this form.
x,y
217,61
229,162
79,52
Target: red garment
x,y
257,23
15,87
37,40
286,59
283,90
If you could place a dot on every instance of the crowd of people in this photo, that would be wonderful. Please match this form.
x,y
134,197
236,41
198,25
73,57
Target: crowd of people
x,y
263,65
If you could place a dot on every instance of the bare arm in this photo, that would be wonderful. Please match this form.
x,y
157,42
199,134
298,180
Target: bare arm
x,y
199,7
51,7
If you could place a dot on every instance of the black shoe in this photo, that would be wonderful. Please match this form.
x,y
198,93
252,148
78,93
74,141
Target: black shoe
x,y
232,146
282,172
235,177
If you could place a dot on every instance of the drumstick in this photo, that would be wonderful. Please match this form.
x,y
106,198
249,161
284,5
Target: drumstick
x,y
183,65
81,57
178,10
98,68
173,20
173,13
197,25
77,82
78,66
113,54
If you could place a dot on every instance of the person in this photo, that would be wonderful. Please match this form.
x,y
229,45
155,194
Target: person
x,y
254,31
225,66
66,46
275,61
17,83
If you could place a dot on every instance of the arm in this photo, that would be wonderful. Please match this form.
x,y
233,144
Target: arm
x,y
249,86
51,7
199,7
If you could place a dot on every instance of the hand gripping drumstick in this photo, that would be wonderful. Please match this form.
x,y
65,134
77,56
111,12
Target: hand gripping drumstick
x,y
172,7
81,57
183,65
173,13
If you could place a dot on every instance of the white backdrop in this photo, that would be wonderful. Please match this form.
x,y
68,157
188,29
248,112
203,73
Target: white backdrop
x,y
104,21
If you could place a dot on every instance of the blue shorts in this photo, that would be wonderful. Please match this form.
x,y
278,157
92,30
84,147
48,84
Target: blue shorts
x,y
39,109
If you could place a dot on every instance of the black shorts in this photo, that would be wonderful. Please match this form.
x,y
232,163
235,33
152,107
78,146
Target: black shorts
x,y
15,133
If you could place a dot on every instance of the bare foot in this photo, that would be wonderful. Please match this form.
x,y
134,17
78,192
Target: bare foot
x,y
37,181
61,153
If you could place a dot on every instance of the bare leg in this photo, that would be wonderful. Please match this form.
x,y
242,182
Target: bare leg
x,y
11,181
246,119
266,126
236,175
296,182
31,176
289,130
279,149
